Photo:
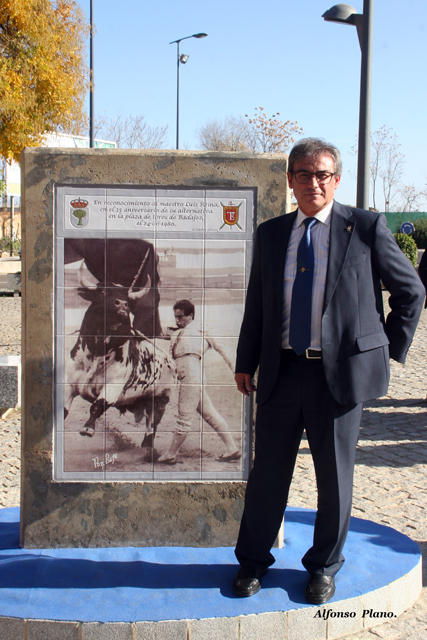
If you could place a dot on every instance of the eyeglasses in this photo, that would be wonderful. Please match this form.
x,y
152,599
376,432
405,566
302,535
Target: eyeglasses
x,y
304,177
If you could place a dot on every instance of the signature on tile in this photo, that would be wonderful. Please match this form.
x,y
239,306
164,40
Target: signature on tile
x,y
108,460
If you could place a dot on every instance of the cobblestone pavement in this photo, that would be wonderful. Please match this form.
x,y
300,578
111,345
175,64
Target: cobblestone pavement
x,y
10,459
390,485
10,325
10,428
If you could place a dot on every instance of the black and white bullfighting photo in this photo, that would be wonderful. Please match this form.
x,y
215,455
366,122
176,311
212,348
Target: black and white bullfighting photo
x,y
150,333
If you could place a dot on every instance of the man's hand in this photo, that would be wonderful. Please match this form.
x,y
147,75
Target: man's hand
x,y
244,383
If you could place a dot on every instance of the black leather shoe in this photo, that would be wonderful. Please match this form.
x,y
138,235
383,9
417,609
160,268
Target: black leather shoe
x,y
319,589
247,581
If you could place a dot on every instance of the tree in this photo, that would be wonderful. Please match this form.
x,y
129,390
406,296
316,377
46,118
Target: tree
x,y
79,214
411,198
271,135
229,135
131,132
378,142
386,167
391,169
258,134
43,77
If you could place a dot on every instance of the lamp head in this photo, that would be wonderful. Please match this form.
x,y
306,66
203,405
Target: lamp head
x,y
199,35
340,13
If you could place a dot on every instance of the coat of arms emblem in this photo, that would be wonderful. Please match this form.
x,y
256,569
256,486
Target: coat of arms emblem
x,y
79,213
230,215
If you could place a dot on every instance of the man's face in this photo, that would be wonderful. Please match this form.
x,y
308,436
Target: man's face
x,y
313,197
181,319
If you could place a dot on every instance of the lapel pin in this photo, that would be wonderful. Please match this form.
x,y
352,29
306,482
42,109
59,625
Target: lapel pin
x,y
349,228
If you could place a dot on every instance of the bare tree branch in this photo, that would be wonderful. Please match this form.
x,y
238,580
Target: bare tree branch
x,y
229,135
386,167
131,132
271,135
411,198
391,170
257,135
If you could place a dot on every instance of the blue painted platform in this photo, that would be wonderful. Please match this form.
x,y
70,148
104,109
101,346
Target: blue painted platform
x,y
178,583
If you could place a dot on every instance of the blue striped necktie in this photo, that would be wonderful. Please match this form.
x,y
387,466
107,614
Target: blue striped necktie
x,y
300,320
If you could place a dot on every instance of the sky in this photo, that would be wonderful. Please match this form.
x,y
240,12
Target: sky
x,y
279,55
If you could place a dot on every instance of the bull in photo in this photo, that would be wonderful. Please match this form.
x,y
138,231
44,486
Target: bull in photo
x,y
110,349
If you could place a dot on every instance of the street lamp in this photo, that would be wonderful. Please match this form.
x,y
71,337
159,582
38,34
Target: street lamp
x,y
346,14
181,59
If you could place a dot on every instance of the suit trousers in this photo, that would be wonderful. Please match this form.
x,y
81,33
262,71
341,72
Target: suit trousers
x,y
300,400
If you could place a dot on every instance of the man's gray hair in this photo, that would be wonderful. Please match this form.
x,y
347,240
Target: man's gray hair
x,y
312,148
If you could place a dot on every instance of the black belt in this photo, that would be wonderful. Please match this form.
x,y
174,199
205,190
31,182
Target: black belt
x,y
308,354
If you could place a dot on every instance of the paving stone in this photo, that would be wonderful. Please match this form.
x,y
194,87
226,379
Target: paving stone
x,y
12,629
215,629
378,600
338,626
52,630
263,626
414,583
386,632
8,386
107,631
306,624
168,630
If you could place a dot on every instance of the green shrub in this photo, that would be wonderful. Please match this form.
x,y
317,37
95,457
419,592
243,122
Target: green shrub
x,y
5,244
420,233
408,246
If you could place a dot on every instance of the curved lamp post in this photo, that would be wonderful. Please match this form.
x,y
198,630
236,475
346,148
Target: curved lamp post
x,y
346,14
181,59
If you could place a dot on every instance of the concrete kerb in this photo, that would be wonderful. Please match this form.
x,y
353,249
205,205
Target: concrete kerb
x,y
186,594
106,631
332,620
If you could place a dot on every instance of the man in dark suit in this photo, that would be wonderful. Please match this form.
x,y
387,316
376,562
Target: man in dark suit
x,y
314,325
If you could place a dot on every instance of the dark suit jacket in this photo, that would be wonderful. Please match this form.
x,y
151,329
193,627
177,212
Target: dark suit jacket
x,y
422,272
357,340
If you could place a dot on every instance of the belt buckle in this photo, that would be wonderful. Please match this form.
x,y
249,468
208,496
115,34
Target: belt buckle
x,y
309,357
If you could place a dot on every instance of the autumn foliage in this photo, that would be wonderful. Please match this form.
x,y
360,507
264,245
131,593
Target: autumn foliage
x,y
43,76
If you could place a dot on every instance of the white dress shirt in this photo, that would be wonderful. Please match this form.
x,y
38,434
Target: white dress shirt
x,y
320,238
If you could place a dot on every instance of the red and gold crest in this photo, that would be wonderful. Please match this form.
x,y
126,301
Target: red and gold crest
x,y
230,214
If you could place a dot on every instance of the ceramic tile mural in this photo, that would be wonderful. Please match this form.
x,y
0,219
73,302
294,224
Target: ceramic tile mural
x,y
149,297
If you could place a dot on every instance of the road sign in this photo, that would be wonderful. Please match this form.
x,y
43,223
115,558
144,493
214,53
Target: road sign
x,y
408,228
